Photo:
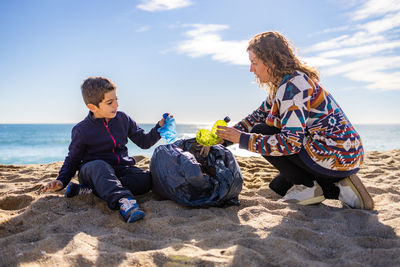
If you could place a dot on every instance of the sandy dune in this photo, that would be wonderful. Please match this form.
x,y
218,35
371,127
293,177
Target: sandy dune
x,y
50,230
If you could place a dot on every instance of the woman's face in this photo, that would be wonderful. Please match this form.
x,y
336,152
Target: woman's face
x,y
259,69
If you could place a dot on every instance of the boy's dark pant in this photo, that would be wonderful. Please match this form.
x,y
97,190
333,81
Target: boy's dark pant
x,y
112,183
293,170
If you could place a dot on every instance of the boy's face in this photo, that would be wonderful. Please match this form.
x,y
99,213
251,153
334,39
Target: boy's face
x,y
107,108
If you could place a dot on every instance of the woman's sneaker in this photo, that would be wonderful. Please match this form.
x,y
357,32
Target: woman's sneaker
x,y
130,210
77,189
304,195
354,194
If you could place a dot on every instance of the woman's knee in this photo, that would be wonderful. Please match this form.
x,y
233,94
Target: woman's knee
x,y
263,128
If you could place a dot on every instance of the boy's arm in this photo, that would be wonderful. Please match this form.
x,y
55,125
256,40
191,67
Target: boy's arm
x,y
142,139
71,163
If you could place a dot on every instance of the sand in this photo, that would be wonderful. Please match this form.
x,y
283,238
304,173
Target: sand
x,y
50,230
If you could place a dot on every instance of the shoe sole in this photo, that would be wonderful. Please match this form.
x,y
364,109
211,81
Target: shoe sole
x,y
136,216
312,201
367,203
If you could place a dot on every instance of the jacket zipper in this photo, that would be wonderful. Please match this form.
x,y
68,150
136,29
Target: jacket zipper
x,y
115,143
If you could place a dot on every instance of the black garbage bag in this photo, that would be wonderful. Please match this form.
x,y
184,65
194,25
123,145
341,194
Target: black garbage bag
x,y
181,174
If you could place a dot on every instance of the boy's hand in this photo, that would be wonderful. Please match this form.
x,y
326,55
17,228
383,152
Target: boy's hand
x,y
162,121
53,186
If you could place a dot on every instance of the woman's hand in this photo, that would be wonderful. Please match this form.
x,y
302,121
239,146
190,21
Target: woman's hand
x,y
204,151
229,133
53,186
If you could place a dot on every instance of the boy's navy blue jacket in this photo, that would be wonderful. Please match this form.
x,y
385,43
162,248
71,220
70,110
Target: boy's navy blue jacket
x,y
94,139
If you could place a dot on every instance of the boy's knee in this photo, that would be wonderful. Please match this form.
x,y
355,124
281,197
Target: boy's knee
x,y
95,169
96,164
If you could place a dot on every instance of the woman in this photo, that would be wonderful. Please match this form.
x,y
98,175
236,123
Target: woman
x,y
300,130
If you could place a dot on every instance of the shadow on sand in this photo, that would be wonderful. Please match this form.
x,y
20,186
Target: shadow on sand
x,y
261,232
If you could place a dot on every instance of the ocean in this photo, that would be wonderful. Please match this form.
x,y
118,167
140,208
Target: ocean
x,y
47,143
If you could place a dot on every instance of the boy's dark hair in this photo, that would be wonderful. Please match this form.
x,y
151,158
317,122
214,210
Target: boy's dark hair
x,y
94,88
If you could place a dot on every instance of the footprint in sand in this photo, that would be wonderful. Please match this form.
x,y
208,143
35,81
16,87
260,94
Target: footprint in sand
x,y
37,188
14,202
10,167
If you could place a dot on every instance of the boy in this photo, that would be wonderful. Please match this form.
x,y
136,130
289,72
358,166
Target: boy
x,y
98,150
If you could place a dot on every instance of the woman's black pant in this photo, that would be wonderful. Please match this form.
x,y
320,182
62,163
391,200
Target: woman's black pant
x,y
293,171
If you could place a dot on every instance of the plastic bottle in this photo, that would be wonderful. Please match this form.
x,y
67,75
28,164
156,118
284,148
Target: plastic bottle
x,y
209,138
168,131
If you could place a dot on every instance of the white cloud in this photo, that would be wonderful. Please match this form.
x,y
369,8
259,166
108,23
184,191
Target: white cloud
x,y
375,8
361,50
387,23
329,44
365,53
204,40
160,5
359,38
370,41
335,29
371,64
143,29
376,80
320,61
377,72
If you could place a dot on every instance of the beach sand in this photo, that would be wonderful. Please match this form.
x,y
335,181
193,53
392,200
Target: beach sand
x,y
50,230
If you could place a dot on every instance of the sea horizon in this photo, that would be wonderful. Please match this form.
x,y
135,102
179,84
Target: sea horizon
x,y
43,143
182,123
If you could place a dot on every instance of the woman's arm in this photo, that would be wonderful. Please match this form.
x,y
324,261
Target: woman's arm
x,y
293,114
257,116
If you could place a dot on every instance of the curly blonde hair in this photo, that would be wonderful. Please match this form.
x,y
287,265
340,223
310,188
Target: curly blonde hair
x,y
277,52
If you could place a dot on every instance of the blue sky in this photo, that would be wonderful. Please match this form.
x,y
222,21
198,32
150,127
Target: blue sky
x,y
188,57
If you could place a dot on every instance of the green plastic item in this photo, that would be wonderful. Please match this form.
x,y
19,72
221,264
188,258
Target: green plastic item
x,y
209,138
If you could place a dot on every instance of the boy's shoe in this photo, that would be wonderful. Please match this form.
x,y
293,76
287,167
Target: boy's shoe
x,y
304,195
130,210
354,194
77,189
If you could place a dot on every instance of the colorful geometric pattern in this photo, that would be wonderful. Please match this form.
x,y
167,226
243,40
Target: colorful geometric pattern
x,y
309,118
